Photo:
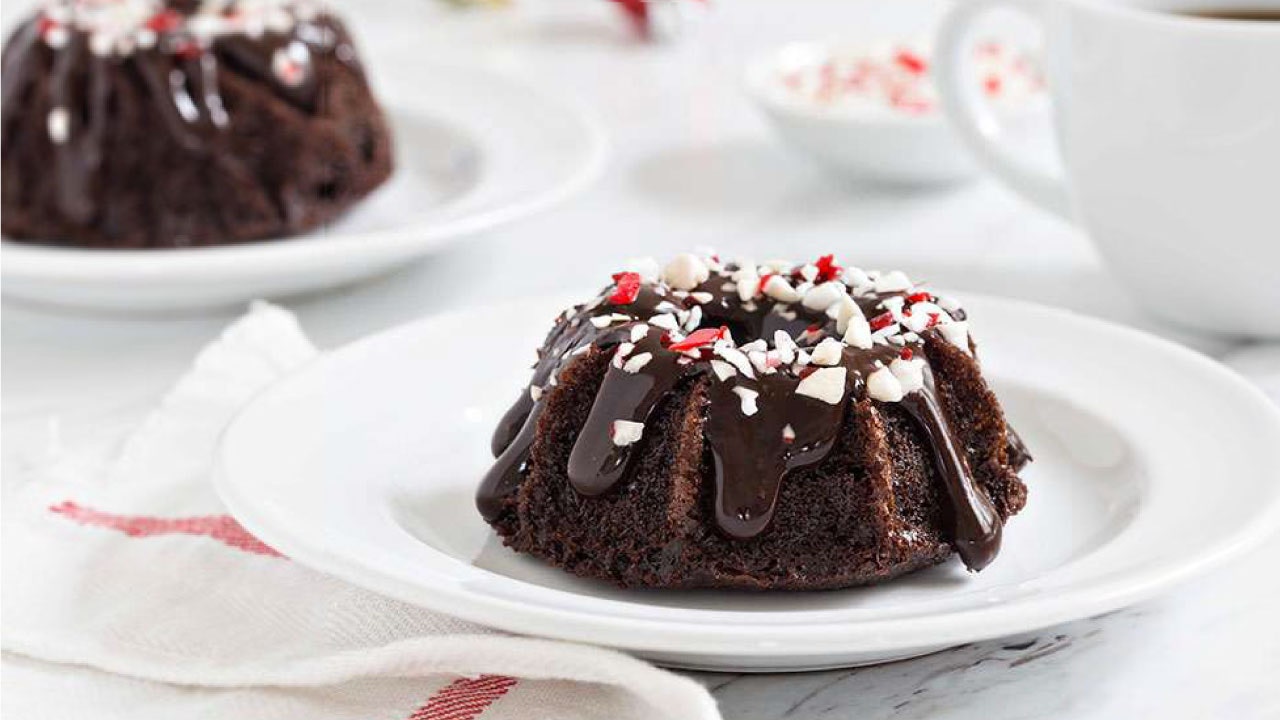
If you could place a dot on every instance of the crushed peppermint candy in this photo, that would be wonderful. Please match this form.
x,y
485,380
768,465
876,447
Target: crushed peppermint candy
x,y
825,384
898,77
626,288
625,432
748,397
636,362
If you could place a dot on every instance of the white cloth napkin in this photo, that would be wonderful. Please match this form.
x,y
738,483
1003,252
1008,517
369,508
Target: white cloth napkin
x,y
128,592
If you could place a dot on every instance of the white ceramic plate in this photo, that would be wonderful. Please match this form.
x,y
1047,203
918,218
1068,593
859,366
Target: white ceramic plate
x,y
474,149
1152,464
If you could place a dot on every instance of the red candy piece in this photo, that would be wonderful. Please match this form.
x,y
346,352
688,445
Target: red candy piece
x,y
881,321
187,50
827,268
934,319
992,85
919,297
628,287
764,280
638,12
911,62
45,25
906,354
698,338
164,21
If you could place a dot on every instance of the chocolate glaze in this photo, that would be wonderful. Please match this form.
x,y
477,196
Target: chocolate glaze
x,y
752,454
181,74
975,524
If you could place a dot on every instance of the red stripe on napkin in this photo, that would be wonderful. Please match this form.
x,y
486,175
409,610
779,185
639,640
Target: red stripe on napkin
x,y
465,698
222,528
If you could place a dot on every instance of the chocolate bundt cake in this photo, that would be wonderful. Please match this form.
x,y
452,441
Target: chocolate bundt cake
x,y
154,123
761,427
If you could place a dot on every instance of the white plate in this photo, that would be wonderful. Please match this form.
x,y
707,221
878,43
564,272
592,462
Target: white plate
x,y
474,149
1153,463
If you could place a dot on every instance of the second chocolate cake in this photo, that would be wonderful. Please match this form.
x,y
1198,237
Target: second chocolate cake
x,y
771,426
149,124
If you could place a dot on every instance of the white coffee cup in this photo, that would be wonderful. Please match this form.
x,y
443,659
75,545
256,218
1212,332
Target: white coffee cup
x,y
1168,126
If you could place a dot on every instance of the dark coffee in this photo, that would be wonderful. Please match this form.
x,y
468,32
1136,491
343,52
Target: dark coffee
x,y
1268,14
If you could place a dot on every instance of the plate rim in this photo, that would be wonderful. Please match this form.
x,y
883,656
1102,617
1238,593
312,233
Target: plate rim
x,y
106,266
746,639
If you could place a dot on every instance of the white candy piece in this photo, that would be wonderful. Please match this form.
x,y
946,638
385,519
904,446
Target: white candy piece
x,y
755,345
685,272
785,345
625,432
101,44
666,322
884,386
809,272
956,333
636,362
748,396
723,370
735,357
779,289
910,373
646,267
894,306
535,393
828,352
949,304
56,37
893,281
921,314
638,332
747,280
59,125
702,298
788,434
855,277
858,333
604,321
622,352
825,384
825,295
694,319
842,310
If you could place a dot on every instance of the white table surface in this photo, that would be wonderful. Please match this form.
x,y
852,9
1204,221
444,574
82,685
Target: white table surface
x,y
692,164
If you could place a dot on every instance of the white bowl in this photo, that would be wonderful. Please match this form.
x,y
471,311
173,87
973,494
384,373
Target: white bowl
x,y
877,144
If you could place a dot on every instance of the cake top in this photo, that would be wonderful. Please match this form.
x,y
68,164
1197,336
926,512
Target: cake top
x,y
784,347
820,322
121,27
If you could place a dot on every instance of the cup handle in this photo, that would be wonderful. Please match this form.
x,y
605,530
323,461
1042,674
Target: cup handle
x,y
972,118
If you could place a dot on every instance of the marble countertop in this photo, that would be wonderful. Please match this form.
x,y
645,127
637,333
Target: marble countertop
x,y
693,164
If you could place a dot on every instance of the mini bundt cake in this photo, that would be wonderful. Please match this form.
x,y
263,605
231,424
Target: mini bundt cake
x,y
770,426
154,123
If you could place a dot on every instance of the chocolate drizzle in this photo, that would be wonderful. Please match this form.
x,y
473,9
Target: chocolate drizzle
x,y
975,524
758,426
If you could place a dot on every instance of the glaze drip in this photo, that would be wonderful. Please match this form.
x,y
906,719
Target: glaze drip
x,y
975,524
778,380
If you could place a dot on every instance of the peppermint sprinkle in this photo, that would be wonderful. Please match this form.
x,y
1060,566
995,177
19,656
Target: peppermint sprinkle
x,y
625,432
636,362
748,397
59,125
